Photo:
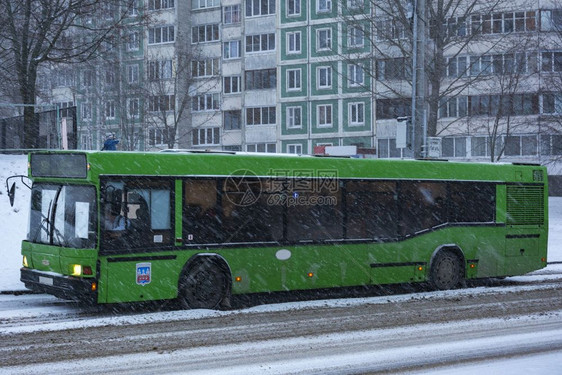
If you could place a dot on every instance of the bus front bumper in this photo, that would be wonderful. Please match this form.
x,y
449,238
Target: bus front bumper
x,y
65,287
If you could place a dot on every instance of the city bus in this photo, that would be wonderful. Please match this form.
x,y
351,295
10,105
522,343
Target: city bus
x,y
200,227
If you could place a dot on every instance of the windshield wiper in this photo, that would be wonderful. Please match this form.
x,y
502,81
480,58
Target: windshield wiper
x,y
45,224
54,229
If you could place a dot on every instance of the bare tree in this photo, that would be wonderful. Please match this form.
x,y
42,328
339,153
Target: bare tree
x,y
509,93
37,32
167,97
454,28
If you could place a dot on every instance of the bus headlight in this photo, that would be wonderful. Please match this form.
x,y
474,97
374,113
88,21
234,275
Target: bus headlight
x,y
25,264
76,270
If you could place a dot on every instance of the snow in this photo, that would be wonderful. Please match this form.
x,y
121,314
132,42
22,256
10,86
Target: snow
x,y
13,228
13,221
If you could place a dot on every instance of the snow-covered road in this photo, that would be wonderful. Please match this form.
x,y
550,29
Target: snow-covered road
x,y
518,318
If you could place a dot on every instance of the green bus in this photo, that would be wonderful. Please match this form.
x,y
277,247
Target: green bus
x,y
113,227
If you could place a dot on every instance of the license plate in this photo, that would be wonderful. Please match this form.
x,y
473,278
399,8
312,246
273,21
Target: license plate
x,y
45,280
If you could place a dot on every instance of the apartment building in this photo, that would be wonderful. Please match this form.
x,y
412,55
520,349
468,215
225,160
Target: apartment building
x,y
291,75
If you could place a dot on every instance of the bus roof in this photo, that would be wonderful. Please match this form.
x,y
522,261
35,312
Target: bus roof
x,y
188,162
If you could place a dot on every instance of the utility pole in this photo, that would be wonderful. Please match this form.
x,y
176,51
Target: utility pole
x,y
419,84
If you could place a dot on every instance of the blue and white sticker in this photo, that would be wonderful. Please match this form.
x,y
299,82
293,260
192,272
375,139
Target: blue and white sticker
x,y
144,271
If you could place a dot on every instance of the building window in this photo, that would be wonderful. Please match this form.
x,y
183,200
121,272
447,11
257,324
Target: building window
x,y
260,79
551,103
133,10
260,43
202,4
157,137
109,76
324,77
551,144
86,142
206,136
521,145
323,6
293,79
232,119
393,108
551,20
293,8
159,70
324,115
480,65
259,7
160,4
159,103
453,147
355,37
260,116
294,117
86,111
133,74
453,107
232,84
457,66
64,78
390,29
479,146
261,147
502,23
506,105
356,75
390,69
454,27
387,148
205,33
231,50
134,108
205,102
323,39
110,109
355,4
294,149
232,148
356,114
89,78
232,14
205,68
293,42
133,42
161,34
551,61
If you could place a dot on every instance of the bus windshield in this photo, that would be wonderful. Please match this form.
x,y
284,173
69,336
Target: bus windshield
x,y
63,215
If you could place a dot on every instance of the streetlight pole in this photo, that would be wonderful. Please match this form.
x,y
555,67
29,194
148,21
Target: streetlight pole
x,y
419,83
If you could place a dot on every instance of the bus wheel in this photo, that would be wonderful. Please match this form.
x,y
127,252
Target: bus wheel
x,y
204,285
446,271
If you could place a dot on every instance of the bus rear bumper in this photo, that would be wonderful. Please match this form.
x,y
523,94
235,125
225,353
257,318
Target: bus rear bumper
x,y
65,287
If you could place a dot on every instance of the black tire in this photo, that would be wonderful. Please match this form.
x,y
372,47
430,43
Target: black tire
x,y
446,271
204,285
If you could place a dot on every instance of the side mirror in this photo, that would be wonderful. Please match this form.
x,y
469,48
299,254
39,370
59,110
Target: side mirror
x,y
12,194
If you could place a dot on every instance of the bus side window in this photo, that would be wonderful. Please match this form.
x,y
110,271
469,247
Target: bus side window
x,y
201,221
472,202
371,209
423,205
314,211
248,214
149,211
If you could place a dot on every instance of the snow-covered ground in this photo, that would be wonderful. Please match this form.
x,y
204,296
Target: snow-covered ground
x,y
13,228
13,223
